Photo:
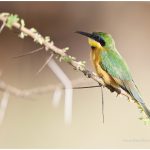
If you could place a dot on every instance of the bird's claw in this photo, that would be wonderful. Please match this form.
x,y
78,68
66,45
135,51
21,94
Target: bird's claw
x,y
100,85
87,73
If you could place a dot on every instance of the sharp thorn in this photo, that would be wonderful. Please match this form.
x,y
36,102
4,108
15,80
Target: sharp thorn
x,y
47,61
32,52
86,87
2,27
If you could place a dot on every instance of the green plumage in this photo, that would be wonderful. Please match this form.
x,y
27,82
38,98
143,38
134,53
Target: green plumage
x,y
114,65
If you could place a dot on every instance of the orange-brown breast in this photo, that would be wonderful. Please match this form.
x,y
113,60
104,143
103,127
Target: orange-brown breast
x,y
96,59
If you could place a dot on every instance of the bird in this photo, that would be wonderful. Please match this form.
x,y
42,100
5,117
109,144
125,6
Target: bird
x,y
111,66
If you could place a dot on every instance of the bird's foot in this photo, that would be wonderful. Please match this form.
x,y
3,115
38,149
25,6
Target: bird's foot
x,y
110,88
100,85
87,73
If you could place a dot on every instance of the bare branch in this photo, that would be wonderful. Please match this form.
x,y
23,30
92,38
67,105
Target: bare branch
x,y
62,53
50,45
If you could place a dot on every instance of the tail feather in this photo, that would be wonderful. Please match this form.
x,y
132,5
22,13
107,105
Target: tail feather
x,y
146,110
134,92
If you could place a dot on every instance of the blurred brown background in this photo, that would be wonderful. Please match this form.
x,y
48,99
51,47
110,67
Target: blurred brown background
x,y
37,124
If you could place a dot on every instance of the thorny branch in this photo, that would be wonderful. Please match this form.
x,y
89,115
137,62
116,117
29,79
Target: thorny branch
x,y
77,65
8,21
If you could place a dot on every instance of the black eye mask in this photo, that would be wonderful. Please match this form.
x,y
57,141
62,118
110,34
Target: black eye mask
x,y
98,39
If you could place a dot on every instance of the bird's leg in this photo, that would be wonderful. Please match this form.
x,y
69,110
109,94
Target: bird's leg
x,y
100,84
110,88
113,89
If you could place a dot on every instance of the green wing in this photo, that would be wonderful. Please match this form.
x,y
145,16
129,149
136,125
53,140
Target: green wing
x,y
114,65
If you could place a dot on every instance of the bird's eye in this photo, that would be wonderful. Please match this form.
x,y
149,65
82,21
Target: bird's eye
x,y
102,42
96,37
99,39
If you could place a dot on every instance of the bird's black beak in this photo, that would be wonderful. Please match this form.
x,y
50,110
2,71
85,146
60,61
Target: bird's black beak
x,y
93,36
85,34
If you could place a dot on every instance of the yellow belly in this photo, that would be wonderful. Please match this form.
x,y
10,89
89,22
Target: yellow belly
x,y
95,55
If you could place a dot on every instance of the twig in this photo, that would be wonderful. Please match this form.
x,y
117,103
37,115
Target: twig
x,y
86,87
47,61
10,20
50,46
29,53
102,103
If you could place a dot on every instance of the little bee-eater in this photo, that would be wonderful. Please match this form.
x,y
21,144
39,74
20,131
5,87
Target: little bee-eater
x,y
111,67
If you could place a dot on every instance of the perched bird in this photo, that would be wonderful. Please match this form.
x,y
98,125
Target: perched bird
x,y
111,66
